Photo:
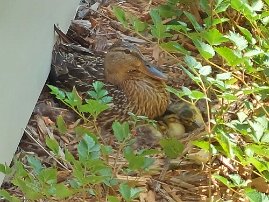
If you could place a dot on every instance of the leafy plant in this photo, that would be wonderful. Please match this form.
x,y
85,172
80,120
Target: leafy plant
x,y
89,168
94,106
229,65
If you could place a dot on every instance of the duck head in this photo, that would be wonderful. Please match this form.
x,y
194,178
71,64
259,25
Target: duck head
x,y
124,62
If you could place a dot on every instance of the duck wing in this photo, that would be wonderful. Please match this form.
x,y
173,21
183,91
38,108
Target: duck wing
x,y
73,65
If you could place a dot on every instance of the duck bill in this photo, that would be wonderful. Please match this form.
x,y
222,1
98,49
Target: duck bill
x,y
155,73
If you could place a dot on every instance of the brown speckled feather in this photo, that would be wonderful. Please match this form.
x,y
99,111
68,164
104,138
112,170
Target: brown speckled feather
x,y
75,66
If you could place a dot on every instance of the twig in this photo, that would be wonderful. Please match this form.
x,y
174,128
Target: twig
x,y
29,132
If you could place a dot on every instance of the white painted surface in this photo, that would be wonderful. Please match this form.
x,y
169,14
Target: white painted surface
x,y
26,41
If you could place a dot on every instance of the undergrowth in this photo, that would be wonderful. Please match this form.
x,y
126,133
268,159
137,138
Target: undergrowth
x,y
92,167
228,62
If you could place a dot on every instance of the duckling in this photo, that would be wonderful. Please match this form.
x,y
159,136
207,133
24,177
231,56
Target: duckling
x,y
179,119
187,114
173,126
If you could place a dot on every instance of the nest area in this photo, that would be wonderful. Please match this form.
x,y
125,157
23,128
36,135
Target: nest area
x,y
183,179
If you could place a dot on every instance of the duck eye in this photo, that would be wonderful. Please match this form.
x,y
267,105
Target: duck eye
x,y
127,51
131,71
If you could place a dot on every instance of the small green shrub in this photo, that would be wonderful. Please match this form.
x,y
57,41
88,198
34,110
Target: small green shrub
x,y
230,65
89,168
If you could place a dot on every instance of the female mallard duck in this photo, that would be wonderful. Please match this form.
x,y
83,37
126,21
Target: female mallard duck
x,y
135,85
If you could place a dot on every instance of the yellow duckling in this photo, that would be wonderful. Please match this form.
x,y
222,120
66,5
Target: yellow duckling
x,y
187,114
174,128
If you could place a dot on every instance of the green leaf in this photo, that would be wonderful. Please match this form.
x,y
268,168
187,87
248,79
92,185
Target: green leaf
x,y
93,107
257,5
99,93
247,35
228,96
20,170
193,94
242,116
172,147
238,181
229,55
205,50
35,164
73,98
98,85
121,131
5,169
69,156
201,144
174,47
225,142
215,21
221,5
259,164
62,191
82,130
93,179
238,40
88,149
53,145
147,152
243,7
129,193
255,196
218,83
155,16
113,199
259,127
56,91
61,126
214,37
205,70
205,145
196,79
255,89
106,149
8,196
160,31
137,161
120,15
253,52
138,25
193,21
224,180
192,62
179,27
30,188
186,91
224,76
260,150
48,176
178,93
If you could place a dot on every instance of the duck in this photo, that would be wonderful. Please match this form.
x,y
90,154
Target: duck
x,y
134,84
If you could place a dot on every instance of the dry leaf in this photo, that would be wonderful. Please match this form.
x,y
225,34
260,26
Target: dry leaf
x,y
260,184
156,52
